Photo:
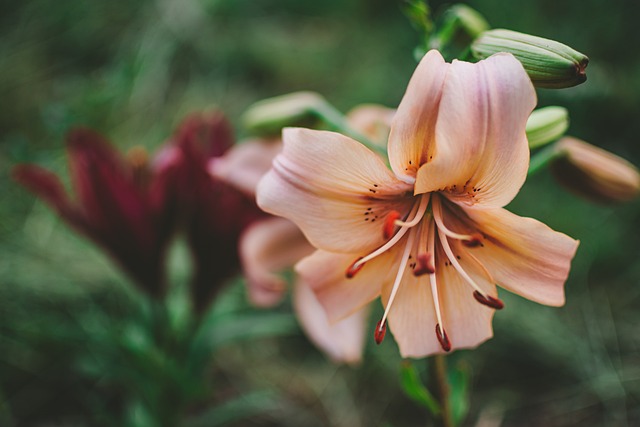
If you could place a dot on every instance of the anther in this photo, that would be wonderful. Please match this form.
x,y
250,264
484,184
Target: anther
x,y
381,330
488,300
354,268
424,264
441,334
390,224
473,241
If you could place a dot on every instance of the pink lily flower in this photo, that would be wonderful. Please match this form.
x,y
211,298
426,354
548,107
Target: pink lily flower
x,y
430,236
274,244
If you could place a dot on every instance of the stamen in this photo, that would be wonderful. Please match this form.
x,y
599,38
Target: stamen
x,y
417,213
441,334
488,300
390,224
380,332
469,240
396,284
431,243
474,240
424,264
484,298
422,208
353,269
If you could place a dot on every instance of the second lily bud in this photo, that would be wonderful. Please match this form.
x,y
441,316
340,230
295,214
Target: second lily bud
x,y
550,64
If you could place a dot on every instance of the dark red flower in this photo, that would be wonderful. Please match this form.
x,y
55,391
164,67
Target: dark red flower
x,y
131,208
123,214
214,213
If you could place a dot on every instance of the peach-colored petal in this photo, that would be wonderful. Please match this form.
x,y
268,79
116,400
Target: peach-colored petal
x,y
466,321
245,163
266,248
343,341
412,317
523,255
324,272
373,120
411,141
334,188
481,146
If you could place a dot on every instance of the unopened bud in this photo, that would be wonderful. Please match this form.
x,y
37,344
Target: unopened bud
x,y
469,19
546,125
594,173
550,64
269,116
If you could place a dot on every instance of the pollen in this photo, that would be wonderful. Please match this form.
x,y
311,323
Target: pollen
x,y
354,268
443,339
380,332
489,301
473,241
390,224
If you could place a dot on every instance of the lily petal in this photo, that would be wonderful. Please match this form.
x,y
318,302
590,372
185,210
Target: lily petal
x,y
324,272
332,186
343,341
372,120
412,318
411,141
48,187
467,322
245,164
266,248
481,145
524,255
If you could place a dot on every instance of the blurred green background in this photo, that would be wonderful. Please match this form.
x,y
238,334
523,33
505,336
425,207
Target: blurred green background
x,y
133,69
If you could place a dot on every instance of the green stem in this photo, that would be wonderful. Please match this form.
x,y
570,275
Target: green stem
x,y
542,158
444,389
337,120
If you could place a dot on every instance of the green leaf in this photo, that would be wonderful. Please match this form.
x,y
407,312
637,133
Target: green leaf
x,y
242,407
416,390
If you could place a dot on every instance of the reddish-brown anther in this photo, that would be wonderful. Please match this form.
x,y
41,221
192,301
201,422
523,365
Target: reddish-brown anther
x,y
488,300
474,242
353,269
380,332
443,339
424,264
390,224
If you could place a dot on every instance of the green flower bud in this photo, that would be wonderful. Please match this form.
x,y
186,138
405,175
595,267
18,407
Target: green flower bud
x,y
550,64
469,19
269,116
546,125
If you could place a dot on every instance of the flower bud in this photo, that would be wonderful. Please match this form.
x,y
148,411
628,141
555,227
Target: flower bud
x,y
550,64
469,19
546,125
269,116
594,173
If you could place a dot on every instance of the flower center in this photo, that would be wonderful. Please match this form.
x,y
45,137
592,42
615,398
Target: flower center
x,y
426,228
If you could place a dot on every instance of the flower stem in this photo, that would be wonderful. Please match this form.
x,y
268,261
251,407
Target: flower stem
x,y
444,390
542,158
334,118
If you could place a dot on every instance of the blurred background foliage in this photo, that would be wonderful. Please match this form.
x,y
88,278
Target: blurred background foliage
x,y
132,70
